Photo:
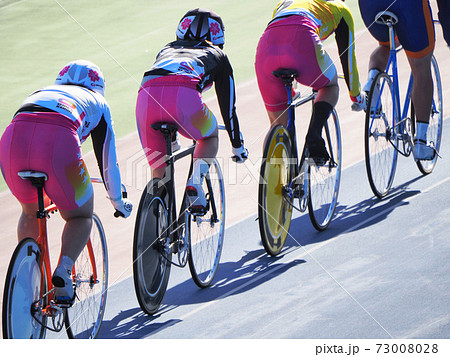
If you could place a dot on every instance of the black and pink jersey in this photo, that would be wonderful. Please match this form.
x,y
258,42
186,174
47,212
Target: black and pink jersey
x,y
204,65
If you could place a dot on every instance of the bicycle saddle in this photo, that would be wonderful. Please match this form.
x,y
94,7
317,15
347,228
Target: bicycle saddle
x,y
386,17
284,73
34,176
165,128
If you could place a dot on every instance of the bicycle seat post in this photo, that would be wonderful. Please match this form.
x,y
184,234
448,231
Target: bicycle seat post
x,y
288,76
168,130
389,19
41,213
37,179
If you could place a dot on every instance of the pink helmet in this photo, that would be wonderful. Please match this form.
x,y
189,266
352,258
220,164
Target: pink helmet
x,y
82,73
200,24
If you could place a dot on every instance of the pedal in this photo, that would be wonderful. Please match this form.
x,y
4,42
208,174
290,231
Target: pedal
x,y
198,210
62,303
298,192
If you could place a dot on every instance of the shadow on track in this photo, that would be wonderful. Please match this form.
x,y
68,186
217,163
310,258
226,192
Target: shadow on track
x,y
255,267
232,278
350,218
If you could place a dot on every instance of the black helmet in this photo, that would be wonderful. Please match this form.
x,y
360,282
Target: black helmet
x,y
201,24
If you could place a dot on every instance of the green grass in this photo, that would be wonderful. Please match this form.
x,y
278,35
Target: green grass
x,y
121,37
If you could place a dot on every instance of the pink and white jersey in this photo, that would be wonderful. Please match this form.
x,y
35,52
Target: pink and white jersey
x,y
91,115
83,106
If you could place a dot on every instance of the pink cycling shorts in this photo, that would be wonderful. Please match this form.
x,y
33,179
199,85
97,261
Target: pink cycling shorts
x,y
172,99
45,142
291,43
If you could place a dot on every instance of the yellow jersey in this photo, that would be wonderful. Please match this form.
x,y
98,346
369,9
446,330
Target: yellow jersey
x,y
331,16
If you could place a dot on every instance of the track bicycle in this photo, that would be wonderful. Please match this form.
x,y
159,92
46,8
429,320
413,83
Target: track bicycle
x,y
284,178
194,236
29,309
389,131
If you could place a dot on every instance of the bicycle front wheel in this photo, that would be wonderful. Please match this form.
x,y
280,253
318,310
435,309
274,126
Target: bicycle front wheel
x,y
434,133
25,284
380,137
324,180
206,232
151,262
90,277
274,206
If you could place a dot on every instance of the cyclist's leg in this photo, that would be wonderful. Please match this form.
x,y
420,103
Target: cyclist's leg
x,y
207,147
418,38
422,94
70,188
196,121
206,232
90,276
377,63
77,229
422,98
74,238
204,154
278,117
324,103
379,57
28,226
434,130
328,94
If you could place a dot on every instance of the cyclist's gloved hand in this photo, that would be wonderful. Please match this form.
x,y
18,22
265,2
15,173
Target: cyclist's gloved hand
x,y
240,154
359,102
123,207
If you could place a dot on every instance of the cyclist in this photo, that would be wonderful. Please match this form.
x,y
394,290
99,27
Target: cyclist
x,y
293,39
415,32
45,135
171,92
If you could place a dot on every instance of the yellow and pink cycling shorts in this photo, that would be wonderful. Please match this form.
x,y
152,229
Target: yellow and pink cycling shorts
x,y
291,43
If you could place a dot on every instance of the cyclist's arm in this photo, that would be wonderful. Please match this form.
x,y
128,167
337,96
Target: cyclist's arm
x,y
226,96
103,140
346,46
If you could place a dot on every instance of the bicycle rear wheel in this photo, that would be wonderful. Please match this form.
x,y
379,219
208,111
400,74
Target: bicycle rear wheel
x,y
434,133
324,180
206,232
90,275
379,137
151,269
274,206
25,283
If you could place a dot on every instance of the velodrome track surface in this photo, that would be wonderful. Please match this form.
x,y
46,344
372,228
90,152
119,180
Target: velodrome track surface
x,y
366,278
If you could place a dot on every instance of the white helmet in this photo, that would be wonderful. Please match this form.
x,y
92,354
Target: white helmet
x,y
82,73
